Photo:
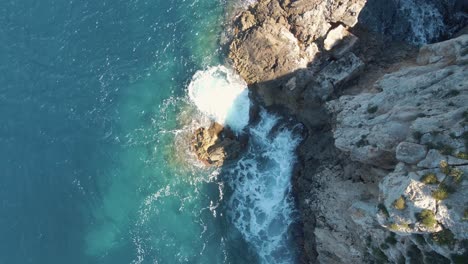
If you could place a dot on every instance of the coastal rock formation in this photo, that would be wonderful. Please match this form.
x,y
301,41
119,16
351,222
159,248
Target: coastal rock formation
x,y
395,188
382,172
215,144
274,38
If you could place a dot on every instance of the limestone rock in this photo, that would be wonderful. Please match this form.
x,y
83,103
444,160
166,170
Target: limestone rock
x,y
333,76
215,144
408,108
410,153
339,39
266,53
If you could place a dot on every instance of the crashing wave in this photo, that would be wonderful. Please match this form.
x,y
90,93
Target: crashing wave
x,y
222,95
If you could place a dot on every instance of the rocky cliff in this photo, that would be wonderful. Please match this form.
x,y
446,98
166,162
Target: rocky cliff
x,y
382,172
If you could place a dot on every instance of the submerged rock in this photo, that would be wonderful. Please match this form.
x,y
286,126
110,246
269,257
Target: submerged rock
x,y
215,144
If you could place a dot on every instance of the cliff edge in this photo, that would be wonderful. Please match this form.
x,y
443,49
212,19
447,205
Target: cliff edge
x,y
382,171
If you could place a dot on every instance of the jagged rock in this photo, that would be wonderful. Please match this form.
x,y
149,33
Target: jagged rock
x,y
410,153
417,110
370,126
273,38
341,40
266,53
421,104
333,76
417,21
215,144
432,160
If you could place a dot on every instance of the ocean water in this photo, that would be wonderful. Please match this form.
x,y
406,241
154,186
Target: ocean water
x,y
95,122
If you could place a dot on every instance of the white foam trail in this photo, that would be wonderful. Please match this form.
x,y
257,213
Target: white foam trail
x,y
222,95
261,205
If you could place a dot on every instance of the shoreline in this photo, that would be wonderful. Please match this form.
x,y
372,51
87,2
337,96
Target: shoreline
x,y
300,91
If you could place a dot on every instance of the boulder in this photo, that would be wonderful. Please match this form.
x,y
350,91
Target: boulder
x,y
410,153
215,144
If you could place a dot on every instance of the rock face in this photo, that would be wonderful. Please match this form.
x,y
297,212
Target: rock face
x,y
214,145
418,108
382,174
275,38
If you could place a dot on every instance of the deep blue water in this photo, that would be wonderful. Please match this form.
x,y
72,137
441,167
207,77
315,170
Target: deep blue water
x,y
94,163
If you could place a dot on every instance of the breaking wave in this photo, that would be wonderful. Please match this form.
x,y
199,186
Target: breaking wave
x,y
221,95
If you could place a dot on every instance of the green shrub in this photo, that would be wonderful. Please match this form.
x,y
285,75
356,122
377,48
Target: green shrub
x,y
397,227
444,237
445,149
462,155
399,203
465,215
429,178
372,109
427,218
441,193
456,173
394,227
444,167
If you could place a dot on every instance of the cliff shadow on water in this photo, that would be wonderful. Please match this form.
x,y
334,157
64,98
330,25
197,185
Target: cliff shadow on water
x,y
344,56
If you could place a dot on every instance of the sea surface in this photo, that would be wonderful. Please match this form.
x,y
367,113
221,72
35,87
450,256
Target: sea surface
x,y
98,100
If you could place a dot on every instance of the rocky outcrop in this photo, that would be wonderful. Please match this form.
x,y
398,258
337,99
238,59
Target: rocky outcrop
x,y
274,38
418,108
379,122
215,144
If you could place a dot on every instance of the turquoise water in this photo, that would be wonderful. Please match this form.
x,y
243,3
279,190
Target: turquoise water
x,y
94,114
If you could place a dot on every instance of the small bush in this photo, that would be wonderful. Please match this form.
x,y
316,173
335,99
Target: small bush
x,y
457,174
465,215
399,203
462,155
444,167
444,237
397,227
441,193
427,218
383,210
445,149
394,227
429,178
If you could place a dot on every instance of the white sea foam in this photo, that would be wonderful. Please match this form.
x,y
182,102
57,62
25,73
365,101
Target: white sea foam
x,y
222,95
261,205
